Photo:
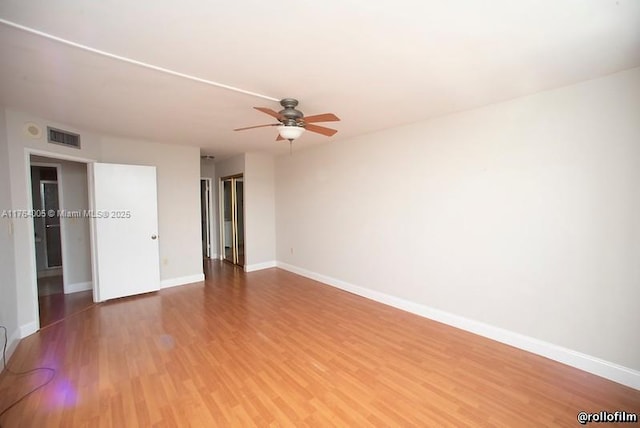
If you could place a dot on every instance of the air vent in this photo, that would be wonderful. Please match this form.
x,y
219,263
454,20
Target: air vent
x,y
65,138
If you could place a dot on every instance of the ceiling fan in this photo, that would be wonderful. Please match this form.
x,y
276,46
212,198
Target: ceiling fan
x,y
292,122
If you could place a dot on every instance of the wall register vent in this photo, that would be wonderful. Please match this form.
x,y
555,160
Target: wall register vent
x,y
65,138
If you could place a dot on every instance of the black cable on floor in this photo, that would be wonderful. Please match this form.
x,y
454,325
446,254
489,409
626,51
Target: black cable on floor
x,y
4,365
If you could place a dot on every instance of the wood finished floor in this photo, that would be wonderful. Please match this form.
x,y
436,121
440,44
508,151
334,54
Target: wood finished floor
x,y
50,285
55,307
271,348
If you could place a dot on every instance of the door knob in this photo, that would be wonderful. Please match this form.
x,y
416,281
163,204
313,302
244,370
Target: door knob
x,y
153,236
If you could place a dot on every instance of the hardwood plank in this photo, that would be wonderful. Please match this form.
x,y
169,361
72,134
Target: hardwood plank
x,y
56,306
271,348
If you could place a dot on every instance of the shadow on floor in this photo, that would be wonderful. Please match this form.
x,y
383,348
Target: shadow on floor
x,y
55,305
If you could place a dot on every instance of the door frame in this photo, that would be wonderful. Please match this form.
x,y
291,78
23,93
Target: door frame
x,y
209,213
33,270
63,248
222,250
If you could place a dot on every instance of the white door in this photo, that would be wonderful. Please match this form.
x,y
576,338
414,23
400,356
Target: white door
x,y
125,230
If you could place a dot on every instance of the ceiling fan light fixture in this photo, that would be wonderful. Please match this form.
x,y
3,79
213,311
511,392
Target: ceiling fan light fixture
x,y
290,132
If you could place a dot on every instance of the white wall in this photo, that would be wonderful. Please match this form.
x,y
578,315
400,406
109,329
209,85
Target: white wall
x,y
259,188
523,215
178,201
259,206
178,170
75,231
231,166
8,301
39,226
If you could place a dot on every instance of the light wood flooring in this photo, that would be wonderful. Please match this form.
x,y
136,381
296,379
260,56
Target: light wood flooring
x,y
271,348
54,305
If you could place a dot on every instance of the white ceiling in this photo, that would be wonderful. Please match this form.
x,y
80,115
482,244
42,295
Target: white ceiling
x,y
374,64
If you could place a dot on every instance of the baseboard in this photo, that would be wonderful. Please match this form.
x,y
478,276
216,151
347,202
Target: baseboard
x,y
174,282
28,329
12,343
260,266
78,286
587,363
47,273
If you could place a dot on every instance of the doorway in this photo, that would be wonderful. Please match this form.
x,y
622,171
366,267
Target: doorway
x,y
45,198
232,219
60,239
47,237
205,215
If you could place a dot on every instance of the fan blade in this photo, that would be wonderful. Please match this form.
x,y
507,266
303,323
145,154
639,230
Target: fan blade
x,y
257,126
279,138
270,112
321,130
325,117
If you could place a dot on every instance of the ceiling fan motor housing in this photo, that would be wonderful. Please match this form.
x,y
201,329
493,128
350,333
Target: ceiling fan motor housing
x,y
292,116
